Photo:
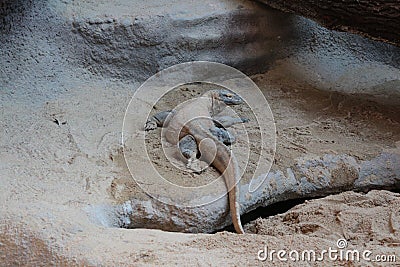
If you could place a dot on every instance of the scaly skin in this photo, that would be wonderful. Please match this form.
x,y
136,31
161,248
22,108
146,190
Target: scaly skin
x,y
195,118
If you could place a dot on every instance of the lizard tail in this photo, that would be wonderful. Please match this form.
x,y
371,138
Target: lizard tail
x,y
225,162
230,172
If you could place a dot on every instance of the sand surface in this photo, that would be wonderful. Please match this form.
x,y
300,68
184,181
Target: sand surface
x,y
67,157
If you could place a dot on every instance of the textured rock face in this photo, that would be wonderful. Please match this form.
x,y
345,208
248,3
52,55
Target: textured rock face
x,y
129,44
68,70
124,41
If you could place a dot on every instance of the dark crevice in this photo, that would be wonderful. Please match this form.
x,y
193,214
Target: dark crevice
x,y
265,212
278,208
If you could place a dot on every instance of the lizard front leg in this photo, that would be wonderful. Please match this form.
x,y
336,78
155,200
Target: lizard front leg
x,y
223,135
220,131
227,121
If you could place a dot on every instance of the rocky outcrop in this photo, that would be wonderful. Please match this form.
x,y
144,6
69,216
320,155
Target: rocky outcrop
x,y
315,177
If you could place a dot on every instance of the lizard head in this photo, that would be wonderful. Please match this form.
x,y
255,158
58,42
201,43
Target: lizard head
x,y
227,97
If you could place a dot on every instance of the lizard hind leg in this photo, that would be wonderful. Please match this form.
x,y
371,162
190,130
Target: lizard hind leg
x,y
188,148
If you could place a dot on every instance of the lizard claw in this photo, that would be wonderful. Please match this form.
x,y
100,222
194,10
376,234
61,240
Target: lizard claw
x,y
197,166
245,120
150,125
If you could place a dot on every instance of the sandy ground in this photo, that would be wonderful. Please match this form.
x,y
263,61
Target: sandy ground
x,y
67,157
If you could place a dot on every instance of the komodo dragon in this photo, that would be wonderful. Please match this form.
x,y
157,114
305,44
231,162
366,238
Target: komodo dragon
x,y
194,127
